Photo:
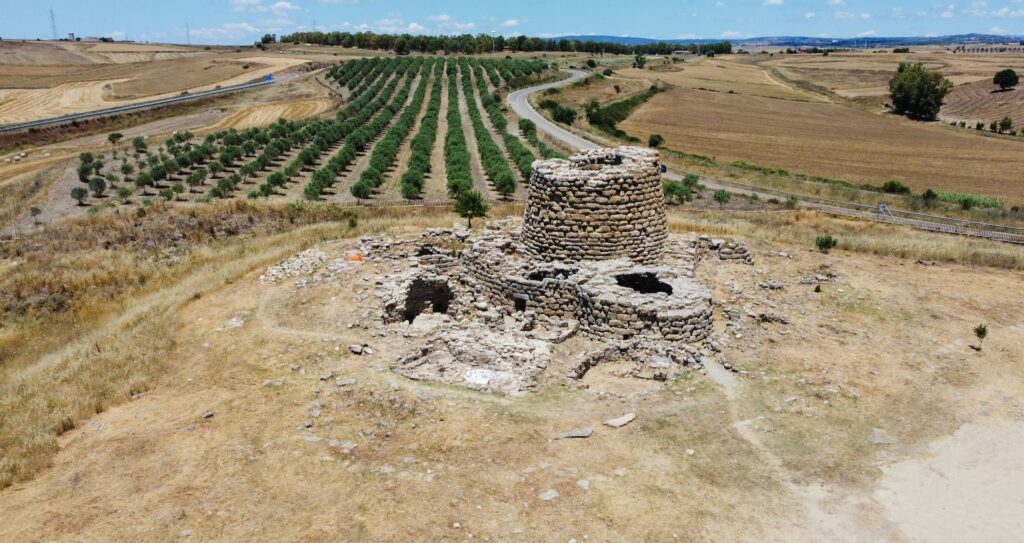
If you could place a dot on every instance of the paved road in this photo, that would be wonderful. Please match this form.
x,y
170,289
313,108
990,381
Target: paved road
x,y
519,102
138,106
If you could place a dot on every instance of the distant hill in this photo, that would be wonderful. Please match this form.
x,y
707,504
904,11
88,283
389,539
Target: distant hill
x,y
805,41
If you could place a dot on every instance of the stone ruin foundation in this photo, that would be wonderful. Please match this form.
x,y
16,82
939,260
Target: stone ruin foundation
x,y
591,256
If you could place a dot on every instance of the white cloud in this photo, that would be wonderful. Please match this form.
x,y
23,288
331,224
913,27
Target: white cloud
x,y
443,18
731,34
836,2
772,2
510,23
997,30
851,15
809,15
226,31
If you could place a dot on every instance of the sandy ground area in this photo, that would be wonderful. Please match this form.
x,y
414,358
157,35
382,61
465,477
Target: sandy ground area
x,y
867,418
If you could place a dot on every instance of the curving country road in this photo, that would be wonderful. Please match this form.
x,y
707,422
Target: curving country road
x,y
520,104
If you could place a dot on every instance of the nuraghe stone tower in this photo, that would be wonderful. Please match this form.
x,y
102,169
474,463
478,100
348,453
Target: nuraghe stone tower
x,y
598,205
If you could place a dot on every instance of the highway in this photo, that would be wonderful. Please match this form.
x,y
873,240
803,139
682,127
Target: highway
x,y
130,108
520,104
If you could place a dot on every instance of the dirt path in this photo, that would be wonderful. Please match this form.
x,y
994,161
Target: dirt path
x,y
435,183
480,181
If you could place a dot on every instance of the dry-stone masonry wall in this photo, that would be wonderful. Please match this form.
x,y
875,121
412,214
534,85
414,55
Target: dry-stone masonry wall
x,y
598,205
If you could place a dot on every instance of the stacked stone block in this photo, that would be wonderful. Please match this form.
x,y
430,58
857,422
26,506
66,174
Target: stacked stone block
x,y
598,205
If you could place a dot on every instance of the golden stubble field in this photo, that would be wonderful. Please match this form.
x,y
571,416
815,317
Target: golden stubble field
x,y
47,79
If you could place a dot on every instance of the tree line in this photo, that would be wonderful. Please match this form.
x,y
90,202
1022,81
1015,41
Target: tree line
x,y
482,43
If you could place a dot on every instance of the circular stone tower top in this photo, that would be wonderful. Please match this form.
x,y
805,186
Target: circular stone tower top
x,y
600,204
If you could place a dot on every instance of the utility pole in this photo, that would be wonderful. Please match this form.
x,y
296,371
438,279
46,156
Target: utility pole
x,y
53,23
493,46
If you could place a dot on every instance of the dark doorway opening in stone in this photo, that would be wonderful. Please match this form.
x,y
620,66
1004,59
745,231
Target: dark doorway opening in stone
x,y
425,294
520,304
645,282
552,273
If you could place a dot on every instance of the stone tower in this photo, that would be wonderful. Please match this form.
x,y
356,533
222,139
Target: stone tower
x,y
600,204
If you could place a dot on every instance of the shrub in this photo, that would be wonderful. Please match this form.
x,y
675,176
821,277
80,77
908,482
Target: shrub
x,y
361,190
79,193
607,72
655,140
980,332
591,63
792,203
676,192
825,243
895,187
722,197
929,195
98,186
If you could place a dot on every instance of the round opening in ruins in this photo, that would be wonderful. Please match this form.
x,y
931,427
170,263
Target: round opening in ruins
x,y
425,294
643,282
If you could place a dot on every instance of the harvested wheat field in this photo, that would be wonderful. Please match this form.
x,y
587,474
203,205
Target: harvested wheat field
x,y
264,114
32,89
984,102
831,140
723,76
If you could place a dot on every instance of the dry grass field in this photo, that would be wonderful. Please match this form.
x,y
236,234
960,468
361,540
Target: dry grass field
x,y
32,88
828,437
831,140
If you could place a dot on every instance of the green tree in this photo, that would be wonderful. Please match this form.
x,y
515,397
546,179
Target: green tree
x,y
98,186
139,144
980,332
916,92
127,169
84,171
123,193
1006,79
471,204
177,189
722,196
401,46
79,193
35,212
655,140
114,137
676,192
1006,124
639,60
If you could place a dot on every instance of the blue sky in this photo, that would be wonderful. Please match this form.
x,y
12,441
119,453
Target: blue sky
x,y
242,21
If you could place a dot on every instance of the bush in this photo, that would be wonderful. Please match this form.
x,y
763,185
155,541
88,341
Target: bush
x,y
916,92
591,63
361,190
655,140
792,203
895,187
676,192
825,243
722,197
79,194
607,72
98,186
